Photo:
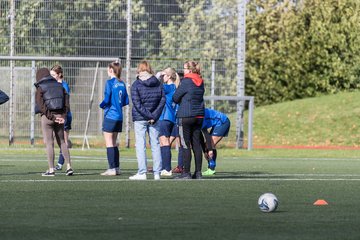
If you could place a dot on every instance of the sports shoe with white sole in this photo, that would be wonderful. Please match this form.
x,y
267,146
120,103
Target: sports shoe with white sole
x,y
109,172
138,177
166,173
156,176
69,172
48,174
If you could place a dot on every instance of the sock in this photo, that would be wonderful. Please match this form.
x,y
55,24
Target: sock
x,y
212,163
117,157
166,157
110,152
180,158
61,159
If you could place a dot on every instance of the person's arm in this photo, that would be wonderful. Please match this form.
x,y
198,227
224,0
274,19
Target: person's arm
x,y
157,112
107,96
180,92
3,97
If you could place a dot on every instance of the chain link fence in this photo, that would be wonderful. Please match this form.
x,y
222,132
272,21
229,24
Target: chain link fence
x,y
166,32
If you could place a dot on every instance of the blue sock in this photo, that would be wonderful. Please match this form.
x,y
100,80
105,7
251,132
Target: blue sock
x,y
61,159
117,157
180,157
110,152
166,157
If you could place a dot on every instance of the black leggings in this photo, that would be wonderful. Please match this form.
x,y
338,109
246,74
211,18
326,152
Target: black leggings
x,y
190,135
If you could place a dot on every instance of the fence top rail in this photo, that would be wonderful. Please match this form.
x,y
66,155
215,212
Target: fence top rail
x,y
233,98
34,58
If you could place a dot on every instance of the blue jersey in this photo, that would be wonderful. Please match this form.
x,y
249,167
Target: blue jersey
x,y
168,112
213,118
115,97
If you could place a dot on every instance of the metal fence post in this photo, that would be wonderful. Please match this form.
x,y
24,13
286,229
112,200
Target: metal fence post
x,y
128,67
32,121
241,7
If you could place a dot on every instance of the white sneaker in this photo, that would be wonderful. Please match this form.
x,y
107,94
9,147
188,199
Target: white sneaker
x,y
138,177
109,172
156,176
166,173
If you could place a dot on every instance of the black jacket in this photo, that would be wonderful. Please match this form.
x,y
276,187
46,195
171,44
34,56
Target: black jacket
x,y
190,97
3,97
148,99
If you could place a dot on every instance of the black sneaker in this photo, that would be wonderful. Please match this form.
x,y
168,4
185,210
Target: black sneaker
x,y
69,172
48,174
184,176
197,175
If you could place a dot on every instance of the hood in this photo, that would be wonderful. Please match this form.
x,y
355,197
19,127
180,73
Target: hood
x,y
196,78
44,79
151,82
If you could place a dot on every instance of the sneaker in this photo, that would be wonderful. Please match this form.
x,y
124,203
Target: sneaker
x,y
209,172
183,176
166,173
109,172
48,174
117,170
197,175
69,172
58,167
138,177
178,169
156,176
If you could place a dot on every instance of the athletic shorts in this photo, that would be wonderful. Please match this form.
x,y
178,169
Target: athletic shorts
x,y
67,124
222,130
110,125
166,128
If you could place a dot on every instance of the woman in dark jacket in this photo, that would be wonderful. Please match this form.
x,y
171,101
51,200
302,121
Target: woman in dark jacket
x,y
52,103
190,97
148,100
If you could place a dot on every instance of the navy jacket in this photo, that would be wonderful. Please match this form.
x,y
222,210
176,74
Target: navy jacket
x,y
148,99
3,97
190,96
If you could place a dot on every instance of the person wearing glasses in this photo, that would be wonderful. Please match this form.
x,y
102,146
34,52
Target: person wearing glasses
x,y
190,98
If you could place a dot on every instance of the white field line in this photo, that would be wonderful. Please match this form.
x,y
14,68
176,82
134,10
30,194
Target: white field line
x,y
173,180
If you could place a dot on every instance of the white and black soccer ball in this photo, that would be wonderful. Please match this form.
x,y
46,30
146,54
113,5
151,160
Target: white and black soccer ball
x,y
268,202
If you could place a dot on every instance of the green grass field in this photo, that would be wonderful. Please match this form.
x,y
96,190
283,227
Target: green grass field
x,y
90,206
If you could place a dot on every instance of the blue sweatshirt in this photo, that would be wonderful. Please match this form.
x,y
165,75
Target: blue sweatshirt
x,y
169,110
115,97
213,118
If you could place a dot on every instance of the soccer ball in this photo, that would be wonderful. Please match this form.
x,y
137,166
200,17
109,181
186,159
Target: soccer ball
x,y
268,202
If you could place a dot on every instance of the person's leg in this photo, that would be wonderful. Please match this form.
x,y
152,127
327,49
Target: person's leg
x,y
155,147
185,128
165,152
59,135
47,131
140,128
196,144
110,151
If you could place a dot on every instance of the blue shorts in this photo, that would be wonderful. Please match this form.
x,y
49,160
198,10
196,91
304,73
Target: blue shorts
x,y
68,120
222,130
168,128
110,125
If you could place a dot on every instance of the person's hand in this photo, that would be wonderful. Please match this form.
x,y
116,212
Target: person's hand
x,y
151,121
60,120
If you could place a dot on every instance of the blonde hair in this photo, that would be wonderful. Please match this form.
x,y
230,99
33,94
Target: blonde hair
x,y
144,66
193,66
116,67
173,75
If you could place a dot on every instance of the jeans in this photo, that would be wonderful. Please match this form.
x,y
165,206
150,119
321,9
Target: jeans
x,y
141,127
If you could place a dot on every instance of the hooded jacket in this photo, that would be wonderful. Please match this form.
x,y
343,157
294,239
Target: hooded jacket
x,y
148,99
190,96
3,97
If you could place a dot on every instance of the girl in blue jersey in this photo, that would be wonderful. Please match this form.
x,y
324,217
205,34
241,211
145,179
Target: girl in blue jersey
x,y
115,97
167,119
57,73
219,125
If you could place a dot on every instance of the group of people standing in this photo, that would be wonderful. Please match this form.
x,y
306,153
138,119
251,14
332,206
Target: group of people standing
x,y
163,106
